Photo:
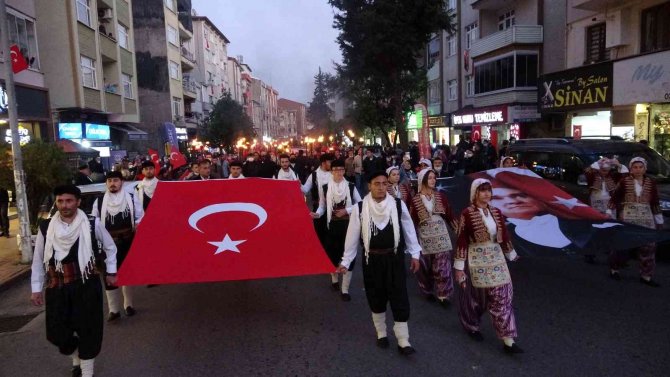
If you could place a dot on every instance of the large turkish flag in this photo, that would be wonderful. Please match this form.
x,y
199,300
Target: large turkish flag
x,y
218,230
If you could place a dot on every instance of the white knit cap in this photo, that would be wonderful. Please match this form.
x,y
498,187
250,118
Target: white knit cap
x,y
475,185
426,161
637,159
390,169
422,174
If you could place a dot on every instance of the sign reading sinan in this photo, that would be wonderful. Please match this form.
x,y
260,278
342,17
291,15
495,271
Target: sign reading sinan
x,y
588,87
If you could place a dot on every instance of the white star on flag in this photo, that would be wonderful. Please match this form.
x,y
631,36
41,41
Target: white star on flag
x,y
226,245
570,203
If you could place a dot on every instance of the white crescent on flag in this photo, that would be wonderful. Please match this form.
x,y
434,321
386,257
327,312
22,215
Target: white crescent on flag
x,y
228,207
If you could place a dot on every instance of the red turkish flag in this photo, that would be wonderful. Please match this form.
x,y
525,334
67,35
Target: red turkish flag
x,y
19,62
220,230
155,159
177,159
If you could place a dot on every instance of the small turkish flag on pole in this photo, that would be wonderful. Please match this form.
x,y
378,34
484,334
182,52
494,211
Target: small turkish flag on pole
x,y
19,62
155,159
177,159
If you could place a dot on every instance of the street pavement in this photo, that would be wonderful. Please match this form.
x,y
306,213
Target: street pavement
x,y
572,319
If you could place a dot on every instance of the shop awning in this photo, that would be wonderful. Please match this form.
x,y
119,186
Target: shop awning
x,y
132,132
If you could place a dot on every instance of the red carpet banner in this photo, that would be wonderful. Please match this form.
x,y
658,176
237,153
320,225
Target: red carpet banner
x,y
219,230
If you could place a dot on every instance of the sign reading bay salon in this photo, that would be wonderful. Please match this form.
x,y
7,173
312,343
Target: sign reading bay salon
x,y
645,79
588,87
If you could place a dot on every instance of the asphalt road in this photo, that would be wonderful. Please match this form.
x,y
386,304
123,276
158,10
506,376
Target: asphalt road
x,y
572,320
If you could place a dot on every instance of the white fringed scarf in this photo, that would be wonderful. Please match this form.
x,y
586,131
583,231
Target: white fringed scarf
x,y
287,176
375,217
115,203
61,237
337,193
147,186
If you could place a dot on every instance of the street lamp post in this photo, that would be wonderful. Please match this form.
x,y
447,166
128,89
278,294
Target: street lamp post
x,y
19,175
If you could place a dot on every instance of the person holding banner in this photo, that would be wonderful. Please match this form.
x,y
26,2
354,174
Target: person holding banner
x,y
481,271
432,215
402,191
636,201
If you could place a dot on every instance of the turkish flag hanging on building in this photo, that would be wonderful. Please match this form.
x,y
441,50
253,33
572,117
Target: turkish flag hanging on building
x,y
219,230
177,159
19,62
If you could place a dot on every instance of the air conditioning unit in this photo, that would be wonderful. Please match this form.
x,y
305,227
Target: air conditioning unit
x,y
616,24
105,14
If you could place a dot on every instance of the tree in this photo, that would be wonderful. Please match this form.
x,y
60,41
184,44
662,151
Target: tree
x,y
382,44
318,111
227,123
44,166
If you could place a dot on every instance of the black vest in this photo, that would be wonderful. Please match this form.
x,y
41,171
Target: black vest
x,y
118,222
146,201
384,237
73,255
351,191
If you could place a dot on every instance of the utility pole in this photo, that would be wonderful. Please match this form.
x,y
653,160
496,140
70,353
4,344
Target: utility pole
x,y
19,176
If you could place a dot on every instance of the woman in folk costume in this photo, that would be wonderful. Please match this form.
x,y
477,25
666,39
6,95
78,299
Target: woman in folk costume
x,y
431,214
507,162
602,177
337,199
481,270
402,191
636,201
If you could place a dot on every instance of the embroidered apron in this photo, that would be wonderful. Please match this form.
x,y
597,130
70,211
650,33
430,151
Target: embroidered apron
x,y
488,268
638,214
599,203
434,236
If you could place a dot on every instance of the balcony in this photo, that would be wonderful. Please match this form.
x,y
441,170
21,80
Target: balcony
x,y
187,58
597,5
503,97
517,34
488,4
190,88
108,48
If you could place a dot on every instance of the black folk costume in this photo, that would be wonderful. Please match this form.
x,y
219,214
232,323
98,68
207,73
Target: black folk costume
x,y
69,254
145,191
119,213
385,232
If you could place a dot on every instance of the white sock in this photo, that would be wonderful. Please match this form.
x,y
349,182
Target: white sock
x,y
75,359
401,332
127,296
333,278
508,341
646,278
379,319
87,368
346,281
114,300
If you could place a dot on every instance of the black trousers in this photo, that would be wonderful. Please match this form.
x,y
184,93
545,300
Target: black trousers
x,y
76,308
335,237
4,218
385,281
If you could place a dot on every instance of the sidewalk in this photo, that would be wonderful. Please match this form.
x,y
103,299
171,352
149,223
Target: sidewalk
x,y
11,269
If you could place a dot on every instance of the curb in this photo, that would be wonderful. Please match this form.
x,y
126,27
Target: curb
x,y
4,285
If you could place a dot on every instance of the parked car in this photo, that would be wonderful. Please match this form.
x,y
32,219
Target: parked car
x,y
562,161
89,193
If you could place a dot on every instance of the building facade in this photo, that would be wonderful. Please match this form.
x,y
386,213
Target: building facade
x,y
32,94
211,48
95,74
292,119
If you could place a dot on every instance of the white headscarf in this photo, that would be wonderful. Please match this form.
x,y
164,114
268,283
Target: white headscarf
x,y
637,159
502,160
147,186
287,176
475,185
376,216
337,193
115,203
422,174
61,237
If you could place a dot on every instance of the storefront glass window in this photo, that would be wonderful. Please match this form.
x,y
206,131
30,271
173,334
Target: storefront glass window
x,y
660,129
593,125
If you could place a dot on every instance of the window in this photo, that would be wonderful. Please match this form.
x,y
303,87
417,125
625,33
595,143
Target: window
x,y
451,45
433,51
127,82
170,4
471,34
22,34
451,90
451,4
88,74
495,75
434,92
174,70
172,35
176,107
595,44
122,36
84,12
656,28
470,86
526,70
546,165
506,20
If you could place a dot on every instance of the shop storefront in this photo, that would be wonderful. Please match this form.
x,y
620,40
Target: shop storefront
x,y
584,96
33,113
490,123
92,132
642,95
439,130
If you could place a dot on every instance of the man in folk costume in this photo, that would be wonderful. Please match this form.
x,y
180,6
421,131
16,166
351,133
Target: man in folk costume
x,y
119,212
315,180
402,191
636,201
285,171
147,187
337,199
68,247
382,227
481,271
432,214
236,170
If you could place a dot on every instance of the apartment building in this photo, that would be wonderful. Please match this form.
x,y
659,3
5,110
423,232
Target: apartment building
x,y
163,34
91,53
617,79
211,48
32,94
